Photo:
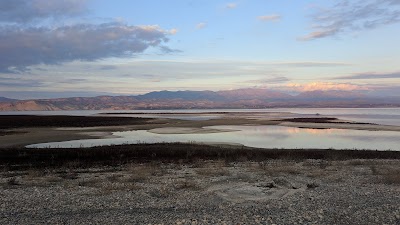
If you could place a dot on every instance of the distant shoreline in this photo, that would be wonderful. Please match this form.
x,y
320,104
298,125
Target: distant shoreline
x,y
23,130
5,110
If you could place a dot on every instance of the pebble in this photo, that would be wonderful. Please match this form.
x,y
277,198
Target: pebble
x,y
330,203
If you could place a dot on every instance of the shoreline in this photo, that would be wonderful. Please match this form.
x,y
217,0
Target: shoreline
x,y
26,130
202,183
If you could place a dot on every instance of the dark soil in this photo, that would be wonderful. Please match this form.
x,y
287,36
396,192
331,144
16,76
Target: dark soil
x,y
319,120
18,121
4,133
23,158
166,113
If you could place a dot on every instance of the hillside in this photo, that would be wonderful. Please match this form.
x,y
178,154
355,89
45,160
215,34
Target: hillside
x,y
3,99
241,98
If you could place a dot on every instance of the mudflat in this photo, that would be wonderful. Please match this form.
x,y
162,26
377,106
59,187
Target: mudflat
x,y
25,130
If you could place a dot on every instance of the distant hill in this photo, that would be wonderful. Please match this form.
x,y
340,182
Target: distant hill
x,y
330,95
253,93
2,99
240,98
230,95
185,95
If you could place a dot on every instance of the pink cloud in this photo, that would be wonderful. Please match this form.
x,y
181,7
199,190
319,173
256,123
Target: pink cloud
x,y
324,86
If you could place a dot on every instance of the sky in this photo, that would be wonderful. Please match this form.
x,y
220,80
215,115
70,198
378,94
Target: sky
x,y
65,48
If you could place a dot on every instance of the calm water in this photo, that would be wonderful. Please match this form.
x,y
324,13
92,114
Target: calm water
x,y
258,136
386,116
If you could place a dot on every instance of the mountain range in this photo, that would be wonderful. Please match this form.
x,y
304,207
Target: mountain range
x,y
2,99
240,98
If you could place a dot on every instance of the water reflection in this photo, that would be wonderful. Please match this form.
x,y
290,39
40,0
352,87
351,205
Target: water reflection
x,y
258,136
314,131
386,116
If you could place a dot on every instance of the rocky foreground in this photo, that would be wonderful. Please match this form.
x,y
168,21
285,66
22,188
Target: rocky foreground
x,y
309,191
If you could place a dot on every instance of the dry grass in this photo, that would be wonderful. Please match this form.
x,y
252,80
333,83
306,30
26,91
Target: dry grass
x,y
90,182
140,173
317,173
214,169
110,187
386,174
186,183
161,192
279,168
392,178
321,164
52,179
34,174
114,177
69,175
25,159
243,176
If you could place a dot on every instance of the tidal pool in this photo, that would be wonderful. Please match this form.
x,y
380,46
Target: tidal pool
x,y
255,136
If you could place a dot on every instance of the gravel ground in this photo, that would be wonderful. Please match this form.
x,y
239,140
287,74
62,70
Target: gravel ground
x,y
207,192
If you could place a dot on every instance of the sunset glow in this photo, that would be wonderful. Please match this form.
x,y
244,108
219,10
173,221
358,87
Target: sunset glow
x,y
98,47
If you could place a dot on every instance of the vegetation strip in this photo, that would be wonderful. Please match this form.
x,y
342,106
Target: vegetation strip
x,y
23,158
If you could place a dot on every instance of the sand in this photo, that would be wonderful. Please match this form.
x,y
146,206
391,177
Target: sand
x,y
371,127
187,130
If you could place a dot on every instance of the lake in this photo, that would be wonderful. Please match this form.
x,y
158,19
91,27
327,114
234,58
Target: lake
x,y
386,116
257,136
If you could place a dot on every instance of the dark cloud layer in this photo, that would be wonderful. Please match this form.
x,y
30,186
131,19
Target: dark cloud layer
x,y
26,40
16,82
22,11
370,76
348,15
270,80
312,64
23,47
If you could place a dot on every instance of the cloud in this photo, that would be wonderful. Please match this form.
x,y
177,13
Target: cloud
x,y
51,94
27,39
370,76
201,25
267,18
73,81
108,67
155,80
357,15
19,83
270,80
173,31
325,86
23,47
22,11
311,64
231,5
318,34
167,50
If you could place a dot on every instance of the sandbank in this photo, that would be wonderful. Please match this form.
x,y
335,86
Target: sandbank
x,y
187,130
348,126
